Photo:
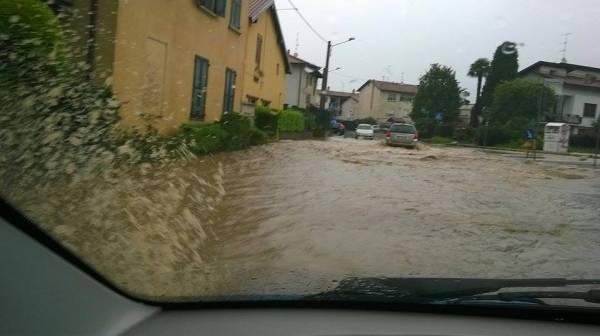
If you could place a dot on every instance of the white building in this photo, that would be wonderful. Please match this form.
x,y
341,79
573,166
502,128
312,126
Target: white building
x,y
384,100
350,108
577,88
302,83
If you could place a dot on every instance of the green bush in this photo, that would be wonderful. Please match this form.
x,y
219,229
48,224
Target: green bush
x,y
203,139
291,121
31,42
258,137
237,128
266,120
582,140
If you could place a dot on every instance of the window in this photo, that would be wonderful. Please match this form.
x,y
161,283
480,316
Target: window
x,y
391,97
589,110
229,95
215,6
258,55
199,91
236,12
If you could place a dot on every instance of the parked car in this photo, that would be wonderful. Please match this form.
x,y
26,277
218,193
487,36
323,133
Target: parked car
x,y
365,131
402,135
376,129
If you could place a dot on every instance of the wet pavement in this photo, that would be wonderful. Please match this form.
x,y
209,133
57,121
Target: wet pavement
x,y
296,217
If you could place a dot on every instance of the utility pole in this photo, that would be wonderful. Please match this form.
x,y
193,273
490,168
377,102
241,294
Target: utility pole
x,y
325,77
326,71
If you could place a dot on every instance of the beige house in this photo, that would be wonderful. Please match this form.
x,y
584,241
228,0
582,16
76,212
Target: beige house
x,y
170,62
350,107
384,100
302,83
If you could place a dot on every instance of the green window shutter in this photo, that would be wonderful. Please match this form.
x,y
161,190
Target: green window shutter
x,y
220,7
229,93
236,11
199,89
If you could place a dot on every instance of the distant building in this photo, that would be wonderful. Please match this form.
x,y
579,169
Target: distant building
x,y
302,83
577,89
384,100
350,108
464,114
334,100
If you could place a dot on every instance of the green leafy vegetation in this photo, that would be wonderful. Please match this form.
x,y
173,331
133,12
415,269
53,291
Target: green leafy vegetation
x,y
478,69
232,132
438,92
291,121
521,98
32,47
503,68
266,120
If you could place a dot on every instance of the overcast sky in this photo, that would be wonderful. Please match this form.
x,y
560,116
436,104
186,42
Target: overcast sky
x,y
399,39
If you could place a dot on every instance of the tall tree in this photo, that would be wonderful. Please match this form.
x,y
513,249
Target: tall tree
x,y
438,92
479,69
503,68
521,99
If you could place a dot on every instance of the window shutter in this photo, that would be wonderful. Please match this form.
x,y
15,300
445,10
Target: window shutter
x,y
236,10
220,7
200,85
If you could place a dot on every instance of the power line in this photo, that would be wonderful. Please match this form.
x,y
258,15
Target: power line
x,y
306,21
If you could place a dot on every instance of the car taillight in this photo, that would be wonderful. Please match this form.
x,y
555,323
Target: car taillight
x,y
388,134
416,136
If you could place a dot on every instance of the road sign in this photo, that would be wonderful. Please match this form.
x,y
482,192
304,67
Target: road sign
x,y
439,116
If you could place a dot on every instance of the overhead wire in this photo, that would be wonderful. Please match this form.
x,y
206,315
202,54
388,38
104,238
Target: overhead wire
x,y
306,22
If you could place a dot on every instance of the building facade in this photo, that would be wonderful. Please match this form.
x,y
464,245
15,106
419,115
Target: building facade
x,y
302,83
384,100
350,108
169,62
334,101
266,64
577,90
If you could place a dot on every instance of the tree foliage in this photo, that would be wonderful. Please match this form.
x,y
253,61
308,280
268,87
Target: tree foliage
x,y
479,69
31,41
291,121
438,92
521,98
503,68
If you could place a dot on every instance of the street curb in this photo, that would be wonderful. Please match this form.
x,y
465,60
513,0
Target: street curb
x,y
511,149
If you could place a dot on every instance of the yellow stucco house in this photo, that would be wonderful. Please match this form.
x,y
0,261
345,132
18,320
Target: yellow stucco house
x,y
174,61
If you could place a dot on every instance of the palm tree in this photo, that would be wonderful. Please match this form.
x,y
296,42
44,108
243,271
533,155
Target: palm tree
x,y
480,68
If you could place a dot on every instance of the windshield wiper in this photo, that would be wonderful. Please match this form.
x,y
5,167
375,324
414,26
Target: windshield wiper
x,y
592,296
436,290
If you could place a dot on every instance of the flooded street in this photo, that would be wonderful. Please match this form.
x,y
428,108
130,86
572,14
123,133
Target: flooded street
x,y
295,217
300,215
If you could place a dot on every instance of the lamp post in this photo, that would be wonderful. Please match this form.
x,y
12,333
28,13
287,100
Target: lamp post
x,y
326,70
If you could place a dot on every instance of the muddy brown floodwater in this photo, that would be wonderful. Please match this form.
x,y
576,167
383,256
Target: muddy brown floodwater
x,y
296,217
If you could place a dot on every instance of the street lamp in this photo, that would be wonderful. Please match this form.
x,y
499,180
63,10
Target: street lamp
x,y
326,70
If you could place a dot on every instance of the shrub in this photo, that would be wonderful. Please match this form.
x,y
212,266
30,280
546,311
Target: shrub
x,y
291,121
237,128
265,119
203,139
258,137
582,140
31,42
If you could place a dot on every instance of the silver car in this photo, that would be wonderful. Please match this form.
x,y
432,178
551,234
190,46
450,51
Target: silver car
x,y
402,135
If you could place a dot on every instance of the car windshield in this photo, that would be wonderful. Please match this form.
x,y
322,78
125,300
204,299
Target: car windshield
x,y
402,129
196,150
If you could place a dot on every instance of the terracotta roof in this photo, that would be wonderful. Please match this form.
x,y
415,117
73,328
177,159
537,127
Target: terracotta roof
x,y
567,66
297,60
257,8
391,86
